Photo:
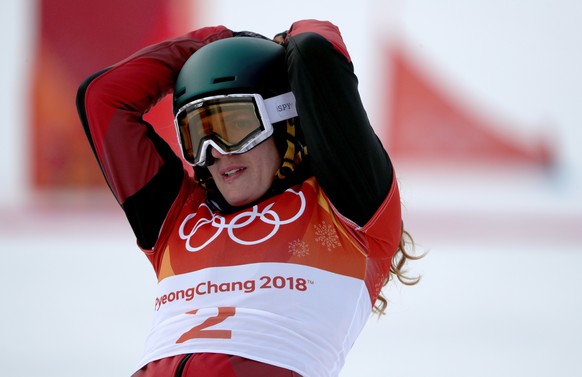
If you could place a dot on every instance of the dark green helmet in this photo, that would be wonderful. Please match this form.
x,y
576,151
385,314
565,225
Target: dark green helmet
x,y
233,65
250,65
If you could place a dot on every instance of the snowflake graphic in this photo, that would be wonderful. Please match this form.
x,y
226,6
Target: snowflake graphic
x,y
327,236
298,248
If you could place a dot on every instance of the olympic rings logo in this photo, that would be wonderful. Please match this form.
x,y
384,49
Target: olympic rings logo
x,y
243,219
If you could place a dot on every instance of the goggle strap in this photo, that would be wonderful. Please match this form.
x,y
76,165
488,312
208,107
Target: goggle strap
x,y
281,107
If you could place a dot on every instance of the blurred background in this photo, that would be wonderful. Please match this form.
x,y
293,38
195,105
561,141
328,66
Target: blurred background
x,y
478,104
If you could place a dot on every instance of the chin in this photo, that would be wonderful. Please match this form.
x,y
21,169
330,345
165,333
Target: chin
x,y
238,202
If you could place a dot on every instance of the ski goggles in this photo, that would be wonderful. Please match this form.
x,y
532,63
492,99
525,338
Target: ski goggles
x,y
231,124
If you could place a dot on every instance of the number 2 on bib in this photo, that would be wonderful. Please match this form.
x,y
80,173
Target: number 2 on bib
x,y
203,331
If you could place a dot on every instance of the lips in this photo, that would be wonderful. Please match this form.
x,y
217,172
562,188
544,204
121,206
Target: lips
x,y
230,172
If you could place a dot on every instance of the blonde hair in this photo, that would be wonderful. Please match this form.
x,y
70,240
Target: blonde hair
x,y
404,253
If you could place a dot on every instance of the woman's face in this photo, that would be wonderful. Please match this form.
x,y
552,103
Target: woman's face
x,y
244,178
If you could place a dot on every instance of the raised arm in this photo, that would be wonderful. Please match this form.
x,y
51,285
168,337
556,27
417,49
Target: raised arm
x,y
347,157
140,168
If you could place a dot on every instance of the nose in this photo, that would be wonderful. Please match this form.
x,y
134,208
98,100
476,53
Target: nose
x,y
212,155
215,153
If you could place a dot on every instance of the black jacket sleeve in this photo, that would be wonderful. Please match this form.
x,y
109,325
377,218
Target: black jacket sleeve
x,y
140,168
347,157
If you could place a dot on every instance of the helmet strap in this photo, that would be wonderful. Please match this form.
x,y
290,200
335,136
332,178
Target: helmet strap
x,y
288,164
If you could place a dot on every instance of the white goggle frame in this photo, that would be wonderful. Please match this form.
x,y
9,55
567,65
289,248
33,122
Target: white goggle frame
x,y
271,110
